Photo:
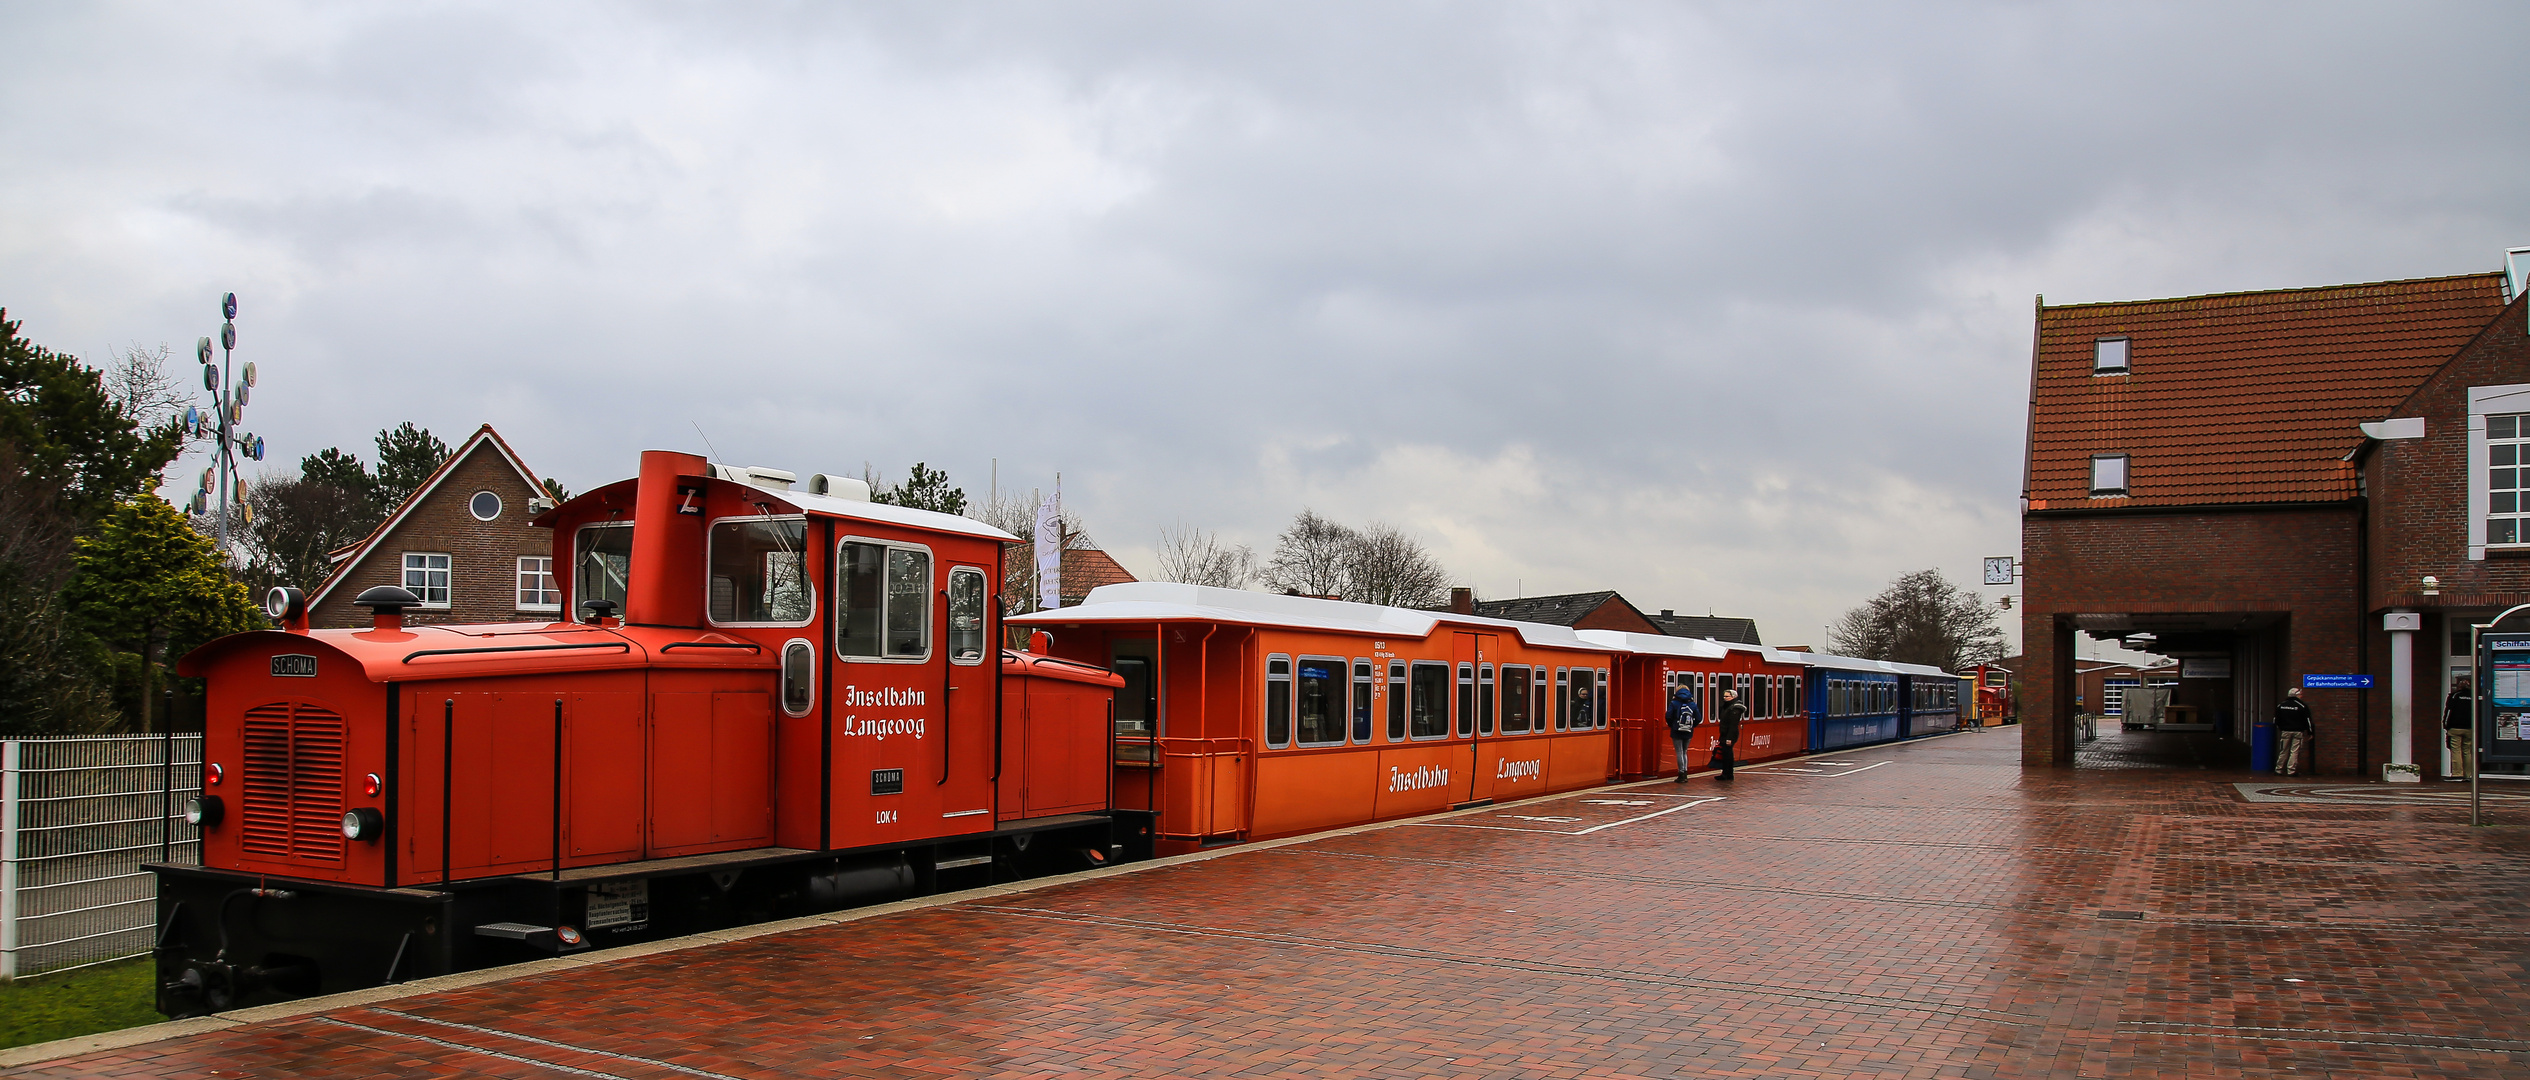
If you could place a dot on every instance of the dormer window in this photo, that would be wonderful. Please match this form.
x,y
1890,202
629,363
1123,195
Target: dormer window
x,y
2108,476
2108,356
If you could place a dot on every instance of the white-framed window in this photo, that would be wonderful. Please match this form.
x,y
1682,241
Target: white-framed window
x,y
882,600
426,576
1278,701
759,572
799,677
2499,418
2108,475
1318,700
966,616
2113,695
2108,356
484,506
537,590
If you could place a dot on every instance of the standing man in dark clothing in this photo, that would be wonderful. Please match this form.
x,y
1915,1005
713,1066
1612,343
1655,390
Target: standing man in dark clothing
x,y
2456,730
1682,721
1726,736
2292,732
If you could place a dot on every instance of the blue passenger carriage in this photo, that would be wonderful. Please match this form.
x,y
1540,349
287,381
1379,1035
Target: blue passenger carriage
x,y
1853,702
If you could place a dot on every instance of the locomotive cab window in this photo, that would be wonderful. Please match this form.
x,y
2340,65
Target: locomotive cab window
x,y
799,677
1278,700
882,601
759,572
1515,698
966,616
1319,700
1430,707
601,565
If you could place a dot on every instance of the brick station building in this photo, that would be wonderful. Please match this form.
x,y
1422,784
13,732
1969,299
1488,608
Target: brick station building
x,y
2260,484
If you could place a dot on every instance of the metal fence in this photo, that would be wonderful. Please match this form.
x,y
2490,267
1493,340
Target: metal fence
x,y
77,818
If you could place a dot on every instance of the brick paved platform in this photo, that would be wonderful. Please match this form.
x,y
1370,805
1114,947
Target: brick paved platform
x,y
1922,910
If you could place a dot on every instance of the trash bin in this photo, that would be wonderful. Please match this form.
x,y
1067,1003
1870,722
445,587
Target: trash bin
x,y
2262,748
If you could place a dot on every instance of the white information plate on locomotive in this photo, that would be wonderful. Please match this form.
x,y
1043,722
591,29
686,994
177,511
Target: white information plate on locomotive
x,y
618,903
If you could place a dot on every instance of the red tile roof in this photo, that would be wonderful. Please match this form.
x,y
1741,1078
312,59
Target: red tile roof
x,y
1086,568
2237,397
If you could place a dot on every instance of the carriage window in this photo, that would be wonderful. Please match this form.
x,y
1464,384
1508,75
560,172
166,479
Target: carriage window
x,y
1466,699
1278,701
1761,699
1537,707
966,616
1431,699
1581,682
1396,701
883,597
1361,700
1484,699
1320,696
1515,698
799,678
601,565
1563,696
759,571
1599,711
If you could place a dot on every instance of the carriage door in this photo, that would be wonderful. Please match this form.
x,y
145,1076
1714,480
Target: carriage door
x,y
1137,723
1471,668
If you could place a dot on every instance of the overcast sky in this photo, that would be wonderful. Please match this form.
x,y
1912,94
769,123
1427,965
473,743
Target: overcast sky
x,y
1723,307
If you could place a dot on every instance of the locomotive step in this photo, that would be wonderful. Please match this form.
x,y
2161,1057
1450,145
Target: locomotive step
x,y
683,864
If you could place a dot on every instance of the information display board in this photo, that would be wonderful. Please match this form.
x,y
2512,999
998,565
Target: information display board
x,y
2503,668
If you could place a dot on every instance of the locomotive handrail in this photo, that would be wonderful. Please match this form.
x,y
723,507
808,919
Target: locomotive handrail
x,y
747,645
619,646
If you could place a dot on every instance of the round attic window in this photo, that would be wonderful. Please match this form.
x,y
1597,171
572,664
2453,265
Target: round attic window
x,y
486,506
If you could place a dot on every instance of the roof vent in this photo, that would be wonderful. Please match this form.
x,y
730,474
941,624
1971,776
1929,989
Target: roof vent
x,y
755,475
386,604
839,487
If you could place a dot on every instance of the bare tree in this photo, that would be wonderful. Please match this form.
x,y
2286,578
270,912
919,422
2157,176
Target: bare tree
x,y
1310,558
138,382
1197,557
1388,566
1017,515
1921,618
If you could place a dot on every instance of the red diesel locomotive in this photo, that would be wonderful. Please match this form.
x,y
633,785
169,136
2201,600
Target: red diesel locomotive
x,y
779,702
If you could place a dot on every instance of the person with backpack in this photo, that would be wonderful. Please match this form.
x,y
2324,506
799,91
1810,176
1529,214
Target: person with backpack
x,y
1682,722
1726,736
2292,732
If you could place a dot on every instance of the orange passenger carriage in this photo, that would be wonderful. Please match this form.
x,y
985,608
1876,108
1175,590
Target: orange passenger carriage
x,y
774,701
1653,667
1247,716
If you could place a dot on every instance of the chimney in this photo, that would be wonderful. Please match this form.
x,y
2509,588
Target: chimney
x,y
667,552
1462,600
1668,611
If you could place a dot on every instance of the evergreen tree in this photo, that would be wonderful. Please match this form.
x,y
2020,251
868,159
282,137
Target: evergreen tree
x,y
407,455
926,489
149,588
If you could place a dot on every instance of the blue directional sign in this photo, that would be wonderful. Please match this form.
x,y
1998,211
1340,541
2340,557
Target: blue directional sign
x,y
2336,682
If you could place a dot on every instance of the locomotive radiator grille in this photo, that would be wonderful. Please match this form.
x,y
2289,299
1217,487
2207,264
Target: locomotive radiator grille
x,y
292,790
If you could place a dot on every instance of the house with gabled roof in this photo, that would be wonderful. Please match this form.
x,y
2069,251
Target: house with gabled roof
x,y
1582,611
1722,628
461,542
2257,484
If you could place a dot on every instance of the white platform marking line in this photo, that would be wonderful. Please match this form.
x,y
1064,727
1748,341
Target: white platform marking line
x,y
573,1048
554,1065
1698,800
1649,816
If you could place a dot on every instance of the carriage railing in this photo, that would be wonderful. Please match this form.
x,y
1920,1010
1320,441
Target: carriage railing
x,y
78,817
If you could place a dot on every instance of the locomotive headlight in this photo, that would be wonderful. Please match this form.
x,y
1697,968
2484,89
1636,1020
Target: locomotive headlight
x,y
363,824
202,811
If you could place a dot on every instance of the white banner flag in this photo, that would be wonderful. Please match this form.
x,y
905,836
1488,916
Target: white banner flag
x,y
1050,551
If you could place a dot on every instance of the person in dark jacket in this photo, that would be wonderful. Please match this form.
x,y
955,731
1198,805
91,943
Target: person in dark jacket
x,y
1682,722
1726,733
2292,732
2456,729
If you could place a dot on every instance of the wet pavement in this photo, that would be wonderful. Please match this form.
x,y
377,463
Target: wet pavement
x,y
1923,910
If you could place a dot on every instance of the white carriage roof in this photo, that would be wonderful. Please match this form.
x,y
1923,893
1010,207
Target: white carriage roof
x,y
1855,663
885,513
1656,644
1162,601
